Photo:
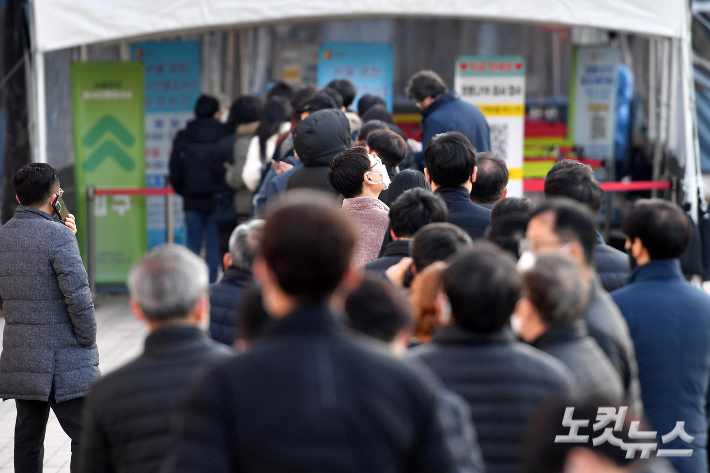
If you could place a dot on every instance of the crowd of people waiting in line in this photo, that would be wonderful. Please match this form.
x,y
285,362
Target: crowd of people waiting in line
x,y
369,317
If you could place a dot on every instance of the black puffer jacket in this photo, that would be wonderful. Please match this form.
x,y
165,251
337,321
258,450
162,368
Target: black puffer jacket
x,y
317,140
572,345
503,381
127,415
225,298
196,170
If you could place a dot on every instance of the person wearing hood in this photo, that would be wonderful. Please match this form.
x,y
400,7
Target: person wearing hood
x,y
317,139
360,177
197,175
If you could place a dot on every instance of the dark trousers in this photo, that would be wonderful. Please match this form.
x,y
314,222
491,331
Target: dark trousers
x,y
31,426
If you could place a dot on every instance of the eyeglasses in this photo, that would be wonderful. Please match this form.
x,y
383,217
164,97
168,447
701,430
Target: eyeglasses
x,y
527,245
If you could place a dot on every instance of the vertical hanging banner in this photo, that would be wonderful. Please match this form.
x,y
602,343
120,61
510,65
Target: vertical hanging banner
x,y
172,83
496,84
368,66
108,110
593,98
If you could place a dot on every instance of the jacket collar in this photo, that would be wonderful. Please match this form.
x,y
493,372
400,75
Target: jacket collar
x,y
22,211
454,194
453,335
660,269
397,248
308,319
446,98
174,338
364,203
248,128
561,333
235,276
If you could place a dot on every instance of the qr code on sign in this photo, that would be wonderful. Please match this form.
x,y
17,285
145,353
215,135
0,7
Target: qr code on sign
x,y
499,140
597,126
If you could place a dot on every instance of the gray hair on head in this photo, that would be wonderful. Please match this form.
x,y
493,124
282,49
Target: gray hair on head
x,y
244,243
557,289
168,282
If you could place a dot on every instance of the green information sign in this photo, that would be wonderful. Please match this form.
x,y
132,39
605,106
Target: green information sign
x,y
109,146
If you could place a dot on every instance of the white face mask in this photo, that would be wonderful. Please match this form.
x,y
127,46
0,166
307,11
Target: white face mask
x,y
526,261
516,323
385,178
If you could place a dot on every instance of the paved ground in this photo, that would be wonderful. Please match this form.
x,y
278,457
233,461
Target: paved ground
x,y
120,338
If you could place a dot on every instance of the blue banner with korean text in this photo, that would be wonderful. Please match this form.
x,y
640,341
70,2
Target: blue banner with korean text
x,y
369,66
172,87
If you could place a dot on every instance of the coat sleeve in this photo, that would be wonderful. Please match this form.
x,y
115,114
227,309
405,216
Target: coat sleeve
x,y
74,284
95,453
251,174
177,168
432,452
201,433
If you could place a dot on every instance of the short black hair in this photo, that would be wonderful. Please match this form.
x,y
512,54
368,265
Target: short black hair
x,y
378,309
662,226
300,95
246,109
319,101
346,89
507,230
35,183
308,244
206,106
405,180
425,84
414,209
280,89
378,112
436,242
576,181
368,101
572,221
491,179
335,95
253,317
483,287
369,127
450,159
512,205
540,452
389,146
347,169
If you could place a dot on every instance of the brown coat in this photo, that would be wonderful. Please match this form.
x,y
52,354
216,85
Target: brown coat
x,y
373,218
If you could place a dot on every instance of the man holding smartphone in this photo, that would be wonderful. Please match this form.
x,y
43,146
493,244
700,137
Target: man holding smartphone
x,y
49,356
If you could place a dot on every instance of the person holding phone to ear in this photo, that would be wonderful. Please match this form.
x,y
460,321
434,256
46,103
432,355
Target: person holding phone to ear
x,y
49,356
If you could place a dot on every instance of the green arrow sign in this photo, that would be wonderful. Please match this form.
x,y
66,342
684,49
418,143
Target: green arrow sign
x,y
108,104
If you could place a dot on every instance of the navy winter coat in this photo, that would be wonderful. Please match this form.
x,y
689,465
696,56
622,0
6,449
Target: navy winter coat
x,y
225,299
669,321
450,113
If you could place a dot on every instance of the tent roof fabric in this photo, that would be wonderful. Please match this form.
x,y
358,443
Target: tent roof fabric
x,y
66,23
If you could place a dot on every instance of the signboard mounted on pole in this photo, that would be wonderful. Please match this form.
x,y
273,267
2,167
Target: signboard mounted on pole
x,y
496,84
109,145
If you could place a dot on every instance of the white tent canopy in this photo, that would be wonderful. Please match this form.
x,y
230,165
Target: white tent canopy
x,y
66,23
58,24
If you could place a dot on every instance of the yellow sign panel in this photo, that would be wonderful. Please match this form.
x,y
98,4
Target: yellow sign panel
x,y
503,110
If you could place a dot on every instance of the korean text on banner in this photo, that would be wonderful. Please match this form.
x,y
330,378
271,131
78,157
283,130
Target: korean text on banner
x,y
108,109
496,84
368,66
594,99
172,83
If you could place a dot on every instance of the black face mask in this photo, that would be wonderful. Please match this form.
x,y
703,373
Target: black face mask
x,y
632,260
